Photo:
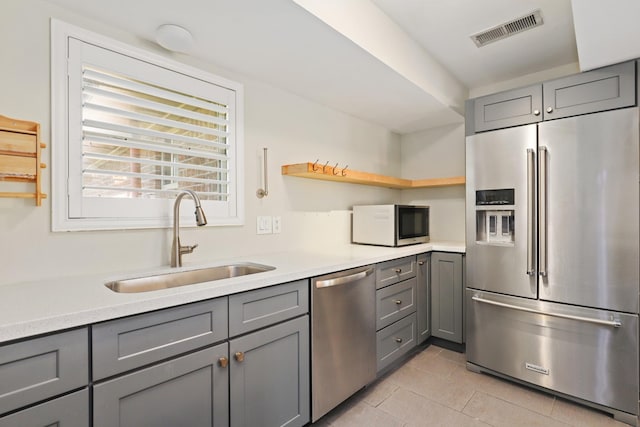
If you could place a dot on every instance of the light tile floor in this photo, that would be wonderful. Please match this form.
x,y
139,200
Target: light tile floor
x,y
434,388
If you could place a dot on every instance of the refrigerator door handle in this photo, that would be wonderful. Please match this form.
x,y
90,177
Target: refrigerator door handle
x,y
613,323
542,210
531,210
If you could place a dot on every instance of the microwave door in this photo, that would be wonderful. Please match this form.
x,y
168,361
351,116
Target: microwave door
x,y
412,223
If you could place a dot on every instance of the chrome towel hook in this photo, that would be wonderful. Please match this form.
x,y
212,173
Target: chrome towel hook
x,y
264,192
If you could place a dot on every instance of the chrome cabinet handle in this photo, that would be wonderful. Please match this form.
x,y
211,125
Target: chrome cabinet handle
x,y
239,356
542,211
549,109
223,362
398,270
536,112
397,301
613,323
420,262
531,209
344,279
398,340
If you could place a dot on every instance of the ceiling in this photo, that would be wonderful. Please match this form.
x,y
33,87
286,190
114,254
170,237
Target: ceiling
x,y
404,64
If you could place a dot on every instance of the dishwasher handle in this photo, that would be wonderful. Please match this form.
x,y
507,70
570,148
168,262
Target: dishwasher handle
x,y
343,280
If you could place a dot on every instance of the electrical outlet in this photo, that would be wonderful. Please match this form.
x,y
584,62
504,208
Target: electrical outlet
x,y
276,223
263,225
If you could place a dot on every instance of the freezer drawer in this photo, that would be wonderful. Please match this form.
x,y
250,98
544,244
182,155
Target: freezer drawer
x,y
595,362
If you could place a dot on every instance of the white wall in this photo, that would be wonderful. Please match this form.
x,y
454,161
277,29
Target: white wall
x,y
295,130
437,153
606,32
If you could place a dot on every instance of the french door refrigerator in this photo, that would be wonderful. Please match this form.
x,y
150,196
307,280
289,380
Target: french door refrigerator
x,y
552,214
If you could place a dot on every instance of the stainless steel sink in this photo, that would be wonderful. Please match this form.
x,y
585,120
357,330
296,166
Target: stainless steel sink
x,y
184,278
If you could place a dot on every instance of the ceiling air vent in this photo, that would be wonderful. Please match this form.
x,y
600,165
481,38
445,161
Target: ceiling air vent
x,y
508,29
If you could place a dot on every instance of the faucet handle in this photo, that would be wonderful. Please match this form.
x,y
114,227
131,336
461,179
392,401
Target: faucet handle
x,y
187,249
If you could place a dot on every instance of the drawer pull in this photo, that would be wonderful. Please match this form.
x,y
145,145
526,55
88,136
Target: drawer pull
x,y
398,270
398,301
420,262
223,362
398,340
239,356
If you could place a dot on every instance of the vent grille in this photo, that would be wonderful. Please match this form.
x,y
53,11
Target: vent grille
x,y
502,31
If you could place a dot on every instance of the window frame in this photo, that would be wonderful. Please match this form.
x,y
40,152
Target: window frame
x,y
62,145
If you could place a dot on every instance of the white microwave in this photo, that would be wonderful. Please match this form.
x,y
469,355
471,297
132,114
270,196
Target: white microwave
x,y
390,225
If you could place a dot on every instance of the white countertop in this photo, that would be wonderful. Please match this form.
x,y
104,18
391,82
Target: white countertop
x,y
33,308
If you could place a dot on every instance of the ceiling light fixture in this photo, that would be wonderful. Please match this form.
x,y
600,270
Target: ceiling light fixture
x,y
174,38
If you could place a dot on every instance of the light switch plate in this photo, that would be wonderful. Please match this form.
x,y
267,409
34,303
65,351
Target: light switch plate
x,y
263,225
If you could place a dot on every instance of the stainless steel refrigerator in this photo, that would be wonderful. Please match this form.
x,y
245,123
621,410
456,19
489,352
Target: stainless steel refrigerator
x,y
552,214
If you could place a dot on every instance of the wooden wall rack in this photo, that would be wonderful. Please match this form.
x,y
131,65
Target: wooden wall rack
x,y
20,147
329,173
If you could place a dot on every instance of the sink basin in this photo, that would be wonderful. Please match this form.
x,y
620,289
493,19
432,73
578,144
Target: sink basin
x,y
184,278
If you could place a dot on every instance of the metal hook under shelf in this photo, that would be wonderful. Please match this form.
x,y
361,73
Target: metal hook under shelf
x,y
260,193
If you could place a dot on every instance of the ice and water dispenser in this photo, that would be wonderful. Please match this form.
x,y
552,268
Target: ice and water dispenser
x,y
495,216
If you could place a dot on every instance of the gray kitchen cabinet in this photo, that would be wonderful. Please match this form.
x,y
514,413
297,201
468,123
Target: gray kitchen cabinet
x,y
71,410
190,390
603,89
132,342
160,368
41,368
423,297
394,341
446,296
505,109
270,375
251,310
606,88
395,302
395,270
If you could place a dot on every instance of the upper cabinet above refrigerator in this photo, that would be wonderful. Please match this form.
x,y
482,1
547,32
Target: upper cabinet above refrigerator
x,y
603,89
516,107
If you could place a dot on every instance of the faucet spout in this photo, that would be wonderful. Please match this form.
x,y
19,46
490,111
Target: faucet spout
x,y
177,250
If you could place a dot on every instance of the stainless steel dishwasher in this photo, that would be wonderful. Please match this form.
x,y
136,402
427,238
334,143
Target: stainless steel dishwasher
x,y
343,336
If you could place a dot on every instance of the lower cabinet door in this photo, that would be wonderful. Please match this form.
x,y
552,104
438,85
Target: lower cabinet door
x,y
269,376
191,390
395,340
446,296
71,410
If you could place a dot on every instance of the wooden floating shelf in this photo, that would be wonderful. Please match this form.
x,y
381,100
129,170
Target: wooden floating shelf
x,y
20,147
329,173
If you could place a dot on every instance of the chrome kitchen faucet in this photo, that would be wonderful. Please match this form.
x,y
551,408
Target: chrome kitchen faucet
x,y
177,250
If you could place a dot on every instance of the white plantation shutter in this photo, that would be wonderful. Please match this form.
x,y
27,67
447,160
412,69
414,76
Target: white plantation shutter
x,y
138,133
142,141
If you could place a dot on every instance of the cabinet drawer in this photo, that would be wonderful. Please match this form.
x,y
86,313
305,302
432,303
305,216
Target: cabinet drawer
x,y
505,109
252,310
395,340
41,368
67,411
394,271
124,344
394,302
598,90
191,390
